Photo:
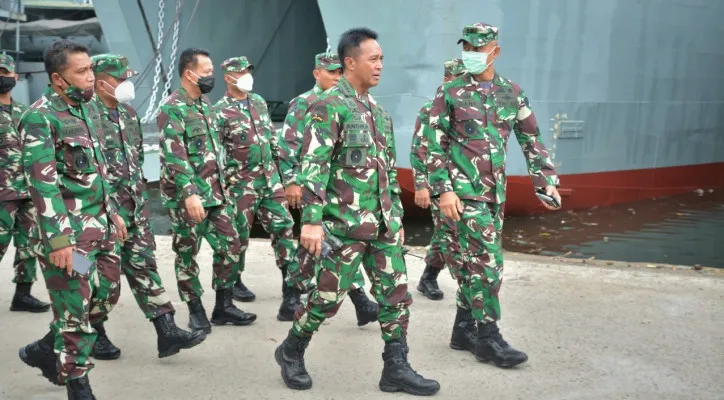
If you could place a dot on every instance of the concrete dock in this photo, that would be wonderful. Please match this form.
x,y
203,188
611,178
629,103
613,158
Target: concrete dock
x,y
607,331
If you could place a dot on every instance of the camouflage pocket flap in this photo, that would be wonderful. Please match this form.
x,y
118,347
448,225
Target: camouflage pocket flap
x,y
194,127
357,139
467,113
78,141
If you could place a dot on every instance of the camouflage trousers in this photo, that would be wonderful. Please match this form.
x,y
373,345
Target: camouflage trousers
x,y
219,231
138,263
386,269
438,246
475,257
303,276
78,302
271,208
17,222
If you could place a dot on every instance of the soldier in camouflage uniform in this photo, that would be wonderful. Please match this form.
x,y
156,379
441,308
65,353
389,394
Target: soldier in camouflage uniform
x,y
434,262
17,213
251,172
348,175
67,180
472,118
123,148
193,189
327,72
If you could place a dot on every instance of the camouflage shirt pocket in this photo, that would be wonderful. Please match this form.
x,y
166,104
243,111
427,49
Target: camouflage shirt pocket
x,y
196,136
78,154
469,123
356,147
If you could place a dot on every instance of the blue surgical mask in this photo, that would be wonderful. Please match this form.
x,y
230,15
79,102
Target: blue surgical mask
x,y
476,62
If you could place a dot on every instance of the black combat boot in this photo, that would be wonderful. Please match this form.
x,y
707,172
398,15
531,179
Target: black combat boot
x,y
464,334
290,302
171,338
290,356
491,347
40,354
225,312
428,284
242,293
103,349
198,321
367,310
79,389
24,301
398,375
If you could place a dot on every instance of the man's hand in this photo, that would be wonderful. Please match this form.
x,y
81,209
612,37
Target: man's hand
x,y
120,228
422,198
402,236
311,238
553,192
63,258
294,195
195,208
451,205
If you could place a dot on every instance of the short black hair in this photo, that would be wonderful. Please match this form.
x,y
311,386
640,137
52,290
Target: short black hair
x,y
350,40
188,59
55,56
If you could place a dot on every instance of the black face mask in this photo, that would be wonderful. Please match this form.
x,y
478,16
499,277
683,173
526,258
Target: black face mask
x,y
205,83
7,83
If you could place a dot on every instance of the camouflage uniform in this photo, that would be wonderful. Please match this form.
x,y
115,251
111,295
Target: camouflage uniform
x,y
17,213
67,180
470,125
289,165
435,259
124,156
190,165
251,173
349,183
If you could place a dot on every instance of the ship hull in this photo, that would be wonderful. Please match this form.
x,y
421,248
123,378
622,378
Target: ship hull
x,y
581,191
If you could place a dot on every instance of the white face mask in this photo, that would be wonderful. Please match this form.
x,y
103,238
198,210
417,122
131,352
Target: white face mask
x,y
245,83
124,92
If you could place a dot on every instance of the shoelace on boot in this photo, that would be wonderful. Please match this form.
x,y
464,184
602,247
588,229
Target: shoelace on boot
x,y
495,335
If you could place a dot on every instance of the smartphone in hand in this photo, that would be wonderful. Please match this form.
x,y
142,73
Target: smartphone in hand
x,y
81,264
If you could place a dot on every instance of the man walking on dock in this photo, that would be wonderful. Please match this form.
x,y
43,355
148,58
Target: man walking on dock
x,y
193,189
435,259
472,118
327,71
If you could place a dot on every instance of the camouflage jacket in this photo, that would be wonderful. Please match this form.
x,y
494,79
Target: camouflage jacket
x,y
471,129
418,148
250,144
190,151
66,171
12,179
348,174
291,142
123,148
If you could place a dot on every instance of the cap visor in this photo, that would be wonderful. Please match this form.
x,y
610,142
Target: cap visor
x,y
333,67
129,73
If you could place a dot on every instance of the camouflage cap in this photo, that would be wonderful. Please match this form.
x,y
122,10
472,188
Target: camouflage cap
x,y
7,62
328,61
479,34
454,66
113,65
236,64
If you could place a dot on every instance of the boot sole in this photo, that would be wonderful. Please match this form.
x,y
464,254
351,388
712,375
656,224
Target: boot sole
x,y
365,321
30,310
388,387
429,296
224,321
456,346
108,357
286,318
24,358
278,358
175,349
501,365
